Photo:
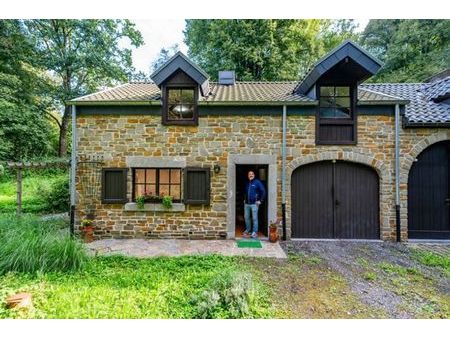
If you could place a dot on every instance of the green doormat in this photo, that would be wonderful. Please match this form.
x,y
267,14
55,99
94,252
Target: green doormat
x,y
242,243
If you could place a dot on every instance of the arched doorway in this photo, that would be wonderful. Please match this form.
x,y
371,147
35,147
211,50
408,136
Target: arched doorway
x,y
335,199
429,193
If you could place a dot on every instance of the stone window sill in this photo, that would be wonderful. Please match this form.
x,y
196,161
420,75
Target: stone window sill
x,y
176,207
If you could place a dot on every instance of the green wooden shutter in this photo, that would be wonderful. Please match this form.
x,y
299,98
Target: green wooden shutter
x,y
114,185
197,185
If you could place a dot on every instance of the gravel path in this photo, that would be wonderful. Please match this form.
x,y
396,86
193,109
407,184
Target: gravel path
x,y
353,259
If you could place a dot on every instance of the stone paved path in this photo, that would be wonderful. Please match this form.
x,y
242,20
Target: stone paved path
x,y
177,247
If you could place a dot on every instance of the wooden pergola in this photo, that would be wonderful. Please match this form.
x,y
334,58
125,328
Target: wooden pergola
x,y
20,166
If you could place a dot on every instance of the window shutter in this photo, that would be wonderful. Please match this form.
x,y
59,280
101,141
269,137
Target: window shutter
x,y
114,185
197,185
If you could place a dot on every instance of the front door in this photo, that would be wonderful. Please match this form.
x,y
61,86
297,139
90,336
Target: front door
x,y
429,194
262,173
335,199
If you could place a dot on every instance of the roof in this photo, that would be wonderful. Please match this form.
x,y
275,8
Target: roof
x,y
420,110
348,49
241,92
420,107
437,91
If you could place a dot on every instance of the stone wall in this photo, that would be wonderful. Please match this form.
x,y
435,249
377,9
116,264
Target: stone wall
x,y
118,136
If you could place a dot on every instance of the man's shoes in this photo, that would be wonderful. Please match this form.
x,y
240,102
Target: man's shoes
x,y
254,235
245,234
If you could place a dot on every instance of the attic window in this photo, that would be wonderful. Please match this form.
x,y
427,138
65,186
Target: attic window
x,y
180,105
336,114
335,102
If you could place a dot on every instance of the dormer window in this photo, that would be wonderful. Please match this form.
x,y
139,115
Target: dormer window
x,y
335,102
182,82
336,116
180,105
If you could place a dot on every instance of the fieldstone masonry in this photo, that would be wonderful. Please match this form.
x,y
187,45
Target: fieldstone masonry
x,y
120,138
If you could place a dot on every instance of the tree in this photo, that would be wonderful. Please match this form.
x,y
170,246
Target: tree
x,y
24,130
262,49
411,50
164,55
82,55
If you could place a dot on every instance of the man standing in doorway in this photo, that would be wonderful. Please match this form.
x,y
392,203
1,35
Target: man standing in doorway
x,y
255,193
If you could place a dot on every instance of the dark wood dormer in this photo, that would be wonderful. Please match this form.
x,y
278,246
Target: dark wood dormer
x,y
179,100
181,82
333,82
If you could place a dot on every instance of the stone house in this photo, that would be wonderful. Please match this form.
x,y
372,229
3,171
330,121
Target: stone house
x,y
339,158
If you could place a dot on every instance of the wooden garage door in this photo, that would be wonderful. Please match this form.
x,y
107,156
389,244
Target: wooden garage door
x,y
429,194
335,200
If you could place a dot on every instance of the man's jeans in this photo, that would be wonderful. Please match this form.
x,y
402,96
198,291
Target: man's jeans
x,y
253,209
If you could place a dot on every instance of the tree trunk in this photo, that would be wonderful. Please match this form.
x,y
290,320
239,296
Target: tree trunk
x,y
62,151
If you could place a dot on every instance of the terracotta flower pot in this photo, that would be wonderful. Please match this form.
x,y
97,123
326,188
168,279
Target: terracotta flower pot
x,y
20,300
88,234
273,234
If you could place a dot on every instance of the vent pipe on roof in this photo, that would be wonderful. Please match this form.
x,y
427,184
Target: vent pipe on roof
x,y
227,77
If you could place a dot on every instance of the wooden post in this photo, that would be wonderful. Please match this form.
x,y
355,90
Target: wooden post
x,y
19,191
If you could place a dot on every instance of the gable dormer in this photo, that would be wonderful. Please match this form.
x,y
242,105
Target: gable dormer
x,y
181,82
333,81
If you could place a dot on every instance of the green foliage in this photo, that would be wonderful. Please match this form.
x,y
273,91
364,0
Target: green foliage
x,y
82,55
140,201
263,49
412,50
25,132
229,296
29,244
432,259
167,202
397,269
57,198
36,186
120,287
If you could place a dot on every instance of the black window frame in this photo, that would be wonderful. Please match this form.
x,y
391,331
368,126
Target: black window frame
x,y
157,183
165,108
339,121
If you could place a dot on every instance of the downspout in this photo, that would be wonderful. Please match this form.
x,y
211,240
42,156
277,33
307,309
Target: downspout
x,y
73,169
283,172
397,171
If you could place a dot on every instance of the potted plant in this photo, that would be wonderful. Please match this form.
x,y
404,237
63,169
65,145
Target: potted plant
x,y
167,202
87,229
147,198
273,231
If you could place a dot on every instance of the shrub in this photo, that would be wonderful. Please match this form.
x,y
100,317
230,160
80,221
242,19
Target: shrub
x,y
229,296
57,198
29,244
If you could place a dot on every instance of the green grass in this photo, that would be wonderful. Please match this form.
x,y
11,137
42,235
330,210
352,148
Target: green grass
x,y
429,258
34,186
29,244
119,287
397,269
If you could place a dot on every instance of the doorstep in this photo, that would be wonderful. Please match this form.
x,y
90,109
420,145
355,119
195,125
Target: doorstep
x,y
147,248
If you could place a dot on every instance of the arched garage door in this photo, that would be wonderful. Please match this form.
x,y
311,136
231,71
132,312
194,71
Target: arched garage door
x,y
429,193
335,199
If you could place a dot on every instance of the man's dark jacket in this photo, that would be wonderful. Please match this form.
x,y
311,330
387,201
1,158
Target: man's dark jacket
x,y
254,191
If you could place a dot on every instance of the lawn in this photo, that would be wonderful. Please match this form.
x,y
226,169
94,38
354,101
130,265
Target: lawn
x,y
318,280
35,185
119,287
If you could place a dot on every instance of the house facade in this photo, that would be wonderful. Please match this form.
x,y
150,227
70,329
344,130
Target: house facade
x,y
339,158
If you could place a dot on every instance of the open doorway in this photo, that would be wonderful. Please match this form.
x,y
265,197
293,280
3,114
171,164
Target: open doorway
x,y
261,173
